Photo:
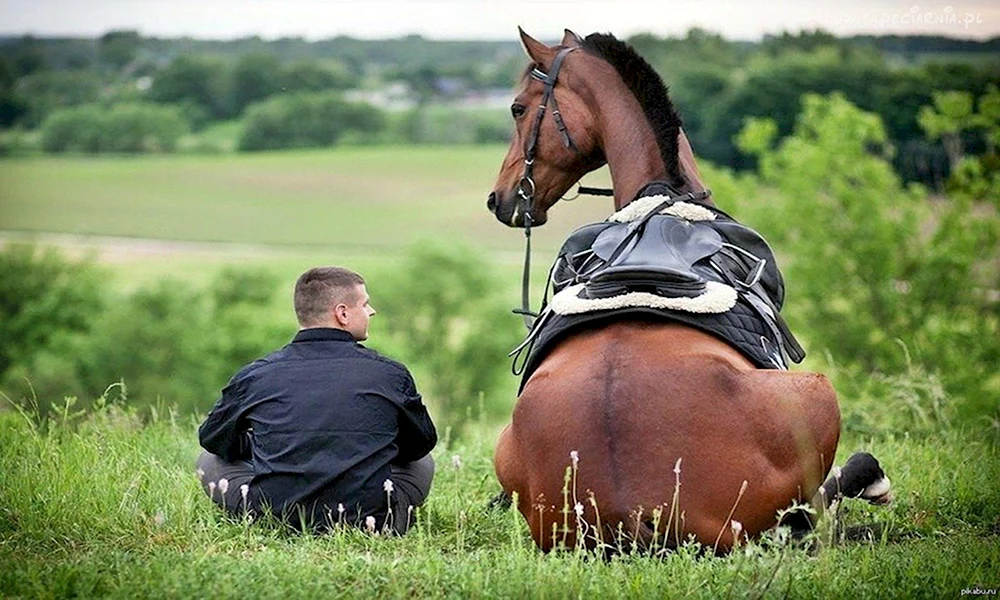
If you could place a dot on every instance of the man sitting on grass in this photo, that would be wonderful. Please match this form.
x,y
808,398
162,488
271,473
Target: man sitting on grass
x,y
323,431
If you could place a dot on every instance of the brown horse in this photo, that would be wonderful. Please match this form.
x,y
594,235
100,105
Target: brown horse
x,y
643,430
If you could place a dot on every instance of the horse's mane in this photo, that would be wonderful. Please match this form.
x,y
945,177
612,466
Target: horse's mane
x,y
649,90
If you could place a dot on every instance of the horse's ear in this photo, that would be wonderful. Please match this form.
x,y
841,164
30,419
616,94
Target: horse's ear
x,y
571,40
535,50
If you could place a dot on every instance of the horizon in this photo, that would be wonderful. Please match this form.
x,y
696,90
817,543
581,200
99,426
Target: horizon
x,y
480,20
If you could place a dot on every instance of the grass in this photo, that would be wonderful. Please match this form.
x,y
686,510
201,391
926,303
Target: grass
x,y
108,505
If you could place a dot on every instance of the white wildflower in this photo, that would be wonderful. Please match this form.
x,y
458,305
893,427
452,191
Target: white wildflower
x,y
211,489
387,486
223,485
677,467
456,461
201,474
836,472
370,524
575,457
578,509
737,528
244,490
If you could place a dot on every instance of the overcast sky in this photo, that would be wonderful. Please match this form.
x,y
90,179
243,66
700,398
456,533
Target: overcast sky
x,y
492,19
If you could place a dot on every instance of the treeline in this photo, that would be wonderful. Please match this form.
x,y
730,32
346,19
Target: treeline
x,y
717,83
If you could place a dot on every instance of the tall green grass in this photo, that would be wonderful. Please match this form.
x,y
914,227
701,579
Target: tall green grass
x,y
108,505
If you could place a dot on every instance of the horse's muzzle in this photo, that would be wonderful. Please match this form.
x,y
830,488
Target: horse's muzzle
x,y
505,212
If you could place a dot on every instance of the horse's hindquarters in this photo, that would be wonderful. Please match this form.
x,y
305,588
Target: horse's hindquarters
x,y
635,402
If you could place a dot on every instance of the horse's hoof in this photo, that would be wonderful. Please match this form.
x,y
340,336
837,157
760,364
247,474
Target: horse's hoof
x,y
875,497
861,477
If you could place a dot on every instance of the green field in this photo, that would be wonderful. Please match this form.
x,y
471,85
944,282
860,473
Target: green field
x,y
186,216
368,200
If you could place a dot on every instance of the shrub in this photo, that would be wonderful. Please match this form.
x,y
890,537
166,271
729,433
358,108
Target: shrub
x,y
73,129
43,298
428,124
444,315
247,324
118,128
143,128
869,262
306,120
170,342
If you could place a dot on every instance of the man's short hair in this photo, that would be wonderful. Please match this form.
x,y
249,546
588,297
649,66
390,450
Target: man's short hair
x,y
320,289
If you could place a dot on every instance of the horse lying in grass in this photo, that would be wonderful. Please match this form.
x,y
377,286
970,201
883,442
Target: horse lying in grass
x,y
636,420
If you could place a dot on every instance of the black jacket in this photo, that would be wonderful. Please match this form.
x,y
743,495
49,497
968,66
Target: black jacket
x,y
321,420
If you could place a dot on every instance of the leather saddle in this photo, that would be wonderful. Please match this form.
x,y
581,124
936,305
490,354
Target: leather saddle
x,y
661,253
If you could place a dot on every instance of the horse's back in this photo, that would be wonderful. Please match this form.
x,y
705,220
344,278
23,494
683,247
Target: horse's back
x,y
633,399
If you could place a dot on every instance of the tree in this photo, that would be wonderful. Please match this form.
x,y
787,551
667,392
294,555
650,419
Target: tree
x,y
254,77
988,117
12,106
876,261
195,81
773,88
422,82
951,114
310,76
28,55
119,48
48,91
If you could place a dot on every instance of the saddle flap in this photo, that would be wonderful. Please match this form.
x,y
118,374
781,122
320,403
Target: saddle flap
x,y
575,255
662,255
607,241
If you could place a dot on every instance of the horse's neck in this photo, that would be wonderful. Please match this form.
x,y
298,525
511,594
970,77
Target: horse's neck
x,y
632,153
689,168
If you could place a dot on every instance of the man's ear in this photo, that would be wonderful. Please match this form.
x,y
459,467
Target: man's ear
x,y
536,51
340,314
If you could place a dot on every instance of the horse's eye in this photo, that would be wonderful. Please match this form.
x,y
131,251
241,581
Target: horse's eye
x,y
517,110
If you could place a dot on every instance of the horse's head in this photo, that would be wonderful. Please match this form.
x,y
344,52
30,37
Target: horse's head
x,y
555,142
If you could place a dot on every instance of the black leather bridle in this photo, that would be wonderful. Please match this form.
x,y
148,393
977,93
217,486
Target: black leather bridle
x,y
526,185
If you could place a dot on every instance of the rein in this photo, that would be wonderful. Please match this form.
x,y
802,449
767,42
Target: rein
x,y
526,185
